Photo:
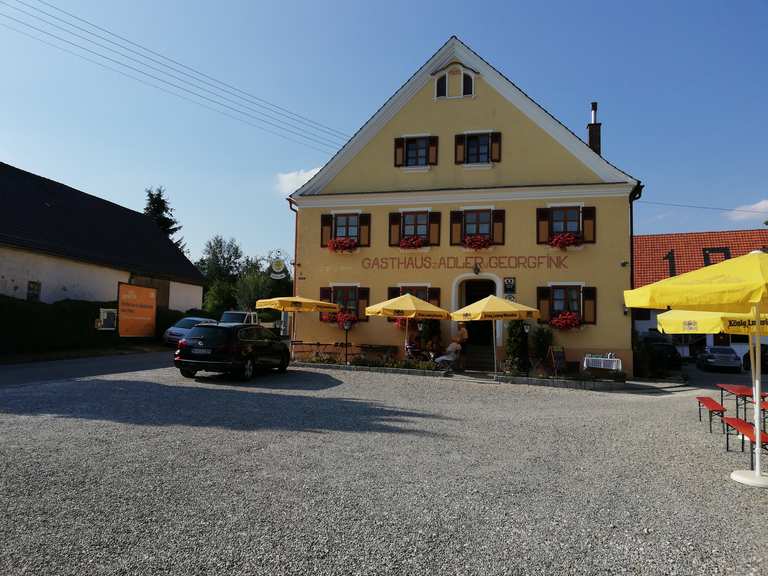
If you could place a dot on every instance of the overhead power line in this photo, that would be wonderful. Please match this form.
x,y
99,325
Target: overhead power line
x,y
745,210
328,145
300,121
167,91
191,69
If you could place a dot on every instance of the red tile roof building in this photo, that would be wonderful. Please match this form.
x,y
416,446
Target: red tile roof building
x,y
659,256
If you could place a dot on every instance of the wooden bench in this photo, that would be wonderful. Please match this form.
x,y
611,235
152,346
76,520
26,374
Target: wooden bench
x,y
713,407
747,430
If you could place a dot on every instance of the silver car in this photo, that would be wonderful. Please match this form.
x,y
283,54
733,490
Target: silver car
x,y
180,329
719,357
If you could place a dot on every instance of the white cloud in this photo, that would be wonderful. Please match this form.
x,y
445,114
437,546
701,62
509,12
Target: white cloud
x,y
756,211
287,182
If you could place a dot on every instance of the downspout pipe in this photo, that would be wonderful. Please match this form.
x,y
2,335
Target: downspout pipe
x,y
292,206
634,195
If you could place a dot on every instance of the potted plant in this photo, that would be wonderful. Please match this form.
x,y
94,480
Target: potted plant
x,y
342,244
565,321
411,242
565,239
477,242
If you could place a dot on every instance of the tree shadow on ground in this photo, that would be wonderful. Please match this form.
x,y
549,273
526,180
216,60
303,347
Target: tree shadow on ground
x,y
143,403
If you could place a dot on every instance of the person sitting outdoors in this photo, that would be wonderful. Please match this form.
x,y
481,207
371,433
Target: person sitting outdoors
x,y
451,354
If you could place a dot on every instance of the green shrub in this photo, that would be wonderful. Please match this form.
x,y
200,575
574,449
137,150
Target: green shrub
x,y
541,339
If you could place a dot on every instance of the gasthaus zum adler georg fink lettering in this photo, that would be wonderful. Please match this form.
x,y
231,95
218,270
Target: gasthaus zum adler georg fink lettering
x,y
458,187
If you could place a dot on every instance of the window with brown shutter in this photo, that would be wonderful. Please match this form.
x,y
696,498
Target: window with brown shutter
x,y
394,228
365,230
495,146
399,152
363,301
326,229
542,225
326,295
543,303
457,228
497,231
588,224
432,154
434,228
461,140
433,296
589,305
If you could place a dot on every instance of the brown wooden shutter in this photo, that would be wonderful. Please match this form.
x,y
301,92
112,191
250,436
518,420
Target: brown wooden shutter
x,y
392,292
394,228
542,225
495,146
457,227
432,152
497,221
326,229
433,296
399,152
434,229
589,305
363,301
544,303
461,140
364,230
588,224
326,295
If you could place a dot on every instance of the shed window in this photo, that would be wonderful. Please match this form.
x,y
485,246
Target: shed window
x,y
478,148
477,223
468,85
416,151
441,88
566,219
416,224
347,226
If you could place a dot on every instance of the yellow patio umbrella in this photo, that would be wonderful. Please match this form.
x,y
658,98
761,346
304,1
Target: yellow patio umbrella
x,y
494,308
409,307
737,285
295,304
698,322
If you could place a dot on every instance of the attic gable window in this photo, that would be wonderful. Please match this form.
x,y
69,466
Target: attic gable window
x,y
441,87
468,85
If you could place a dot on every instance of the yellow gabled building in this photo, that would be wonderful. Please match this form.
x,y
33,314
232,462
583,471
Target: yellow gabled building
x,y
461,186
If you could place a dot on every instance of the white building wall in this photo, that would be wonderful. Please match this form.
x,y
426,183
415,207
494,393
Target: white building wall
x,y
60,278
183,297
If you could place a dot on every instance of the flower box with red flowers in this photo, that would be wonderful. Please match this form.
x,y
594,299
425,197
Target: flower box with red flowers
x,y
342,244
343,317
477,242
565,239
411,242
566,321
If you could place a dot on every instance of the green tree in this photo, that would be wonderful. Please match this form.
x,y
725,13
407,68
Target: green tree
x,y
252,286
541,340
219,297
517,347
222,260
159,209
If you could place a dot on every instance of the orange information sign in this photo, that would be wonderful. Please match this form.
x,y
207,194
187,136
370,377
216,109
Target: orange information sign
x,y
136,309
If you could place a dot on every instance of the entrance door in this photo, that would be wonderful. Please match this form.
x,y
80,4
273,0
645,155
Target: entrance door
x,y
479,331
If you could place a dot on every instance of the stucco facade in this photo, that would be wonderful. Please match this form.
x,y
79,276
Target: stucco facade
x,y
529,165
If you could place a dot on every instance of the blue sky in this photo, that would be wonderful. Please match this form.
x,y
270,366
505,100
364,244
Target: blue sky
x,y
681,87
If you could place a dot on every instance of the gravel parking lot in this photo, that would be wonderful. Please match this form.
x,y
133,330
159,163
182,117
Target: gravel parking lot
x,y
323,472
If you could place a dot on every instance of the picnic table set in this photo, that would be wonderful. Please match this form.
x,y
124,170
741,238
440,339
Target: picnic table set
x,y
726,298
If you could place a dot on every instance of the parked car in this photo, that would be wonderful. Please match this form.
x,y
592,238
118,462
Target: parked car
x,y
722,357
179,330
664,356
239,317
236,349
745,361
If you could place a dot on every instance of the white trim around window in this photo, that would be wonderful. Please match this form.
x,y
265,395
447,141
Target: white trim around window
x,y
565,205
564,283
342,212
341,284
491,207
415,209
414,284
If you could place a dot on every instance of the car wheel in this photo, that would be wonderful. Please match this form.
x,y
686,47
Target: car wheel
x,y
247,371
188,373
284,361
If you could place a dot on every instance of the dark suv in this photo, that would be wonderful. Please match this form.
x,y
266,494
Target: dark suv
x,y
236,349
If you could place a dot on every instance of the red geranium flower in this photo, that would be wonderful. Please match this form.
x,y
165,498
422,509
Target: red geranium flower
x,y
565,321
342,244
477,242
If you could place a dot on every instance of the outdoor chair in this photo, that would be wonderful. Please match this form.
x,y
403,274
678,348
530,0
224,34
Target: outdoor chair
x,y
746,430
713,408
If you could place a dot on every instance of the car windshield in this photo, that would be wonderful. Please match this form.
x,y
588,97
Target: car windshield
x,y
722,350
233,317
209,334
187,322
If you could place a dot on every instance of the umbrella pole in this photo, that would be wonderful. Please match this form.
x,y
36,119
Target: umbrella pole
x,y
405,347
755,477
493,340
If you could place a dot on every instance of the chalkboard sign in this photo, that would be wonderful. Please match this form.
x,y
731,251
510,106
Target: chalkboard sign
x,y
556,356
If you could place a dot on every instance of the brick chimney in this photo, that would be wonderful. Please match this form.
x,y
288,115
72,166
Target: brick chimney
x,y
593,129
